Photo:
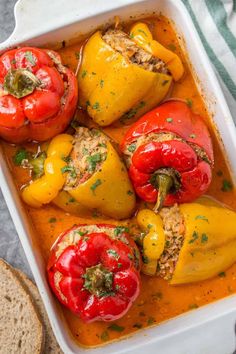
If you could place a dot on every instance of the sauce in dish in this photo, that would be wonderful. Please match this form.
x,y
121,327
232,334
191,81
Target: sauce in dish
x,y
158,300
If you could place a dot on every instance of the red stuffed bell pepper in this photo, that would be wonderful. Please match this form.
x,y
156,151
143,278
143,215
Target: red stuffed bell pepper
x,y
38,95
169,155
94,271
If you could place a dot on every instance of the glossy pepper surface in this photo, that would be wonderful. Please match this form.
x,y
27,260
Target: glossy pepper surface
x,y
209,242
143,37
110,86
94,271
169,155
108,190
38,95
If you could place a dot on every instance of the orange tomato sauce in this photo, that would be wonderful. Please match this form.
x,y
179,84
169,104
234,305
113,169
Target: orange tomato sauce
x,y
158,301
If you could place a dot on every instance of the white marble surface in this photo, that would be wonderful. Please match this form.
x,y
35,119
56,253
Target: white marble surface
x,y
10,247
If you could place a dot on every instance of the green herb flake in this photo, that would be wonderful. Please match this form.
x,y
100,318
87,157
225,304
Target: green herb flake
x,y
201,217
149,226
189,102
52,220
115,327
132,147
20,156
169,120
130,256
226,186
101,83
119,265
142,31
93,73
95,185
204,238
192,306
164,82
131,35
222,274
105,336
102,145
70,169
137,325
82,233
88,103
194,237
29,56
130,192
112,93
71,200
93,160
113,253
84,73
120,229
151,320
145,259
77,55
96,106
172,47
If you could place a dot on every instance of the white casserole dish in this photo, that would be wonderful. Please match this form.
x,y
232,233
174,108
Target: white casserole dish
x,y
209,329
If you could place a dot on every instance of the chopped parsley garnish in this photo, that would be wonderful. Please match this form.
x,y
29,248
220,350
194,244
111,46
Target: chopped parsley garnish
x,y
95,185
96,106
130,192
105,336
71,200
20,155
88,103
120,229
194,237
132,147
70,169
77,55
102,145
132,112
93,73
149,226
113,253
222,274
151,320
169,120
101,83
52,220
142,31
201,217
119,265
93,160
164,82
204,238
84,73
29,56
82,233
193,306
112,93
131,35
189,102
116,327
226,186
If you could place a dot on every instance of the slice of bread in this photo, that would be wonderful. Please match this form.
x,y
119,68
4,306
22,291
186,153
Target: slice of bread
x,y
21,331
51,345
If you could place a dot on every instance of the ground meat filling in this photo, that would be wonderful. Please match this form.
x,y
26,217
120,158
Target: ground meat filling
x,y
88,153
122,43
174,233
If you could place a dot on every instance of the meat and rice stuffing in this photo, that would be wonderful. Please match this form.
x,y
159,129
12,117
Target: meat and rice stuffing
x,y
122,43
88,153
174,233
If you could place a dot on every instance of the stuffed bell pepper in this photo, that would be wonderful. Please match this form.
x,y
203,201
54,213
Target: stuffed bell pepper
x,y
189,242
169,155
94,271
83,170
119,77
38,95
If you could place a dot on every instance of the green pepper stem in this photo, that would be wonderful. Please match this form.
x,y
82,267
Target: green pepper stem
x,y
20,82
164,183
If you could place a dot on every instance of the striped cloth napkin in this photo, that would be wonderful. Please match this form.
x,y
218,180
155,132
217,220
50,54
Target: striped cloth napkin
x,y
215,21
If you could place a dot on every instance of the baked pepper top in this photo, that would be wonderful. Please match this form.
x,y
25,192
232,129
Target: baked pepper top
x,y
169,155
94,271
38,95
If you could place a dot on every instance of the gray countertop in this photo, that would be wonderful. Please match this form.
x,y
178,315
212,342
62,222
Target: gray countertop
x,y
10,246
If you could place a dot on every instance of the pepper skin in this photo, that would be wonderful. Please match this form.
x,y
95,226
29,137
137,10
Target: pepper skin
x,y
209,246
143,37
110,86
94,271
177,168
44,189
109,193
38,95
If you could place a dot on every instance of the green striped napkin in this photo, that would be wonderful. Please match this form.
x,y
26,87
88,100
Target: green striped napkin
x,y
215,21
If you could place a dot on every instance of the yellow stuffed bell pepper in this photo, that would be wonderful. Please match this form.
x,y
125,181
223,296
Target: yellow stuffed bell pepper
x,y
200,242
83,172
143,37
118,79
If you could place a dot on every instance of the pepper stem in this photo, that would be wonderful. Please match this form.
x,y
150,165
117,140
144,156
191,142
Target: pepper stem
x,y
98,281
20,82
165,183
